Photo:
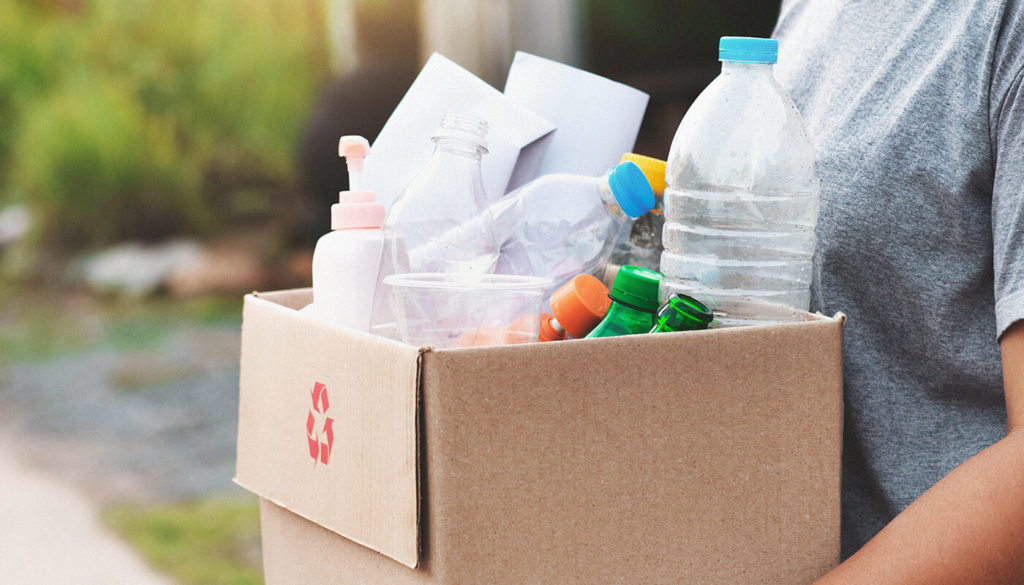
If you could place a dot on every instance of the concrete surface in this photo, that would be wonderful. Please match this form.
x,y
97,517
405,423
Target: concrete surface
x,y
142,422
52,534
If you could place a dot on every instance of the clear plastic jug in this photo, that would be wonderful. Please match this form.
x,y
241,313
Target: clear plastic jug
x,y
741,201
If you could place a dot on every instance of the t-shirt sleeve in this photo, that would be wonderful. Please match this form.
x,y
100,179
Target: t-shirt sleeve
x,y
1008,204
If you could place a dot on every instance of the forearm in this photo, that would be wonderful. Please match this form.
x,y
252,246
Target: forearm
x,y
969,527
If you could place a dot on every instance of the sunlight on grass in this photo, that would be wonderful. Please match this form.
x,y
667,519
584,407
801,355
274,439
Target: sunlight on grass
x,y
209,542
39,323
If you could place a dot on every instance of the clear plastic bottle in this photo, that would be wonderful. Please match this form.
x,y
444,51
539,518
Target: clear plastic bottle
x,y
446,194
346,260
742,198
560,225
641,245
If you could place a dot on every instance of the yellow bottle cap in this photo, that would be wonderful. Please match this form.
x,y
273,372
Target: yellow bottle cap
x,y
653,169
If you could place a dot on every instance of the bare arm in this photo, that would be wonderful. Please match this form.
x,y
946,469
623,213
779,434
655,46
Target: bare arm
x,y
969,527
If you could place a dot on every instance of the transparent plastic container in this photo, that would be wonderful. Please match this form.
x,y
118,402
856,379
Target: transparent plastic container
x,y
741,201
461,310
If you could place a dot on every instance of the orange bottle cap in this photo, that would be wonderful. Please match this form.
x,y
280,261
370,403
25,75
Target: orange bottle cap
x,y
580,304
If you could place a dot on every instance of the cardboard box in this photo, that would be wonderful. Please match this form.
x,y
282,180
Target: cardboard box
x,y
701,457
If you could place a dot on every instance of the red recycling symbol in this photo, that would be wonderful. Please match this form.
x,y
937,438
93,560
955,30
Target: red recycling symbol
x,y
319,426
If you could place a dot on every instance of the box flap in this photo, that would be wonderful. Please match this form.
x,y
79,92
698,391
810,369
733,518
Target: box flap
x,y
327,424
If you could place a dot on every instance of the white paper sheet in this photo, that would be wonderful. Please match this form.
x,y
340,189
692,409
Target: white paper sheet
x,y
598,119
404,146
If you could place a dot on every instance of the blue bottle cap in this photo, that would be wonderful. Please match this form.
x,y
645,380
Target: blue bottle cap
x,y
748,50
631,189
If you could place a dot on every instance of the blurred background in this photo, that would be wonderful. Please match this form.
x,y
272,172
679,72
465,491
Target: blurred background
x,y
160,159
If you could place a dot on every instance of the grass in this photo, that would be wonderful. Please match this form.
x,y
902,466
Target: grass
x,y
38,323
213,541
142,324
40,332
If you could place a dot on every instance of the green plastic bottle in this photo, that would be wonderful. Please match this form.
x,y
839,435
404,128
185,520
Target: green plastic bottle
x,y
682,313
634,301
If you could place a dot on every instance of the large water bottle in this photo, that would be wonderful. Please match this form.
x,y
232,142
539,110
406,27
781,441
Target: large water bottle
x,y
741,200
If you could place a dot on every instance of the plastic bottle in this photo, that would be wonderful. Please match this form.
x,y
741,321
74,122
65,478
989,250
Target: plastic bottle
x,y
446,194
641,245
346,259
634,302
560,225
742,197
577,307
682,313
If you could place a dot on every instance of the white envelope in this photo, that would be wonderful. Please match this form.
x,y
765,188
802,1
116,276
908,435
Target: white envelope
x,y
598,119
404,144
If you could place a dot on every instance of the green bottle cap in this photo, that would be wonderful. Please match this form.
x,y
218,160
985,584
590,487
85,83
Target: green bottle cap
x,y
638,287
683,313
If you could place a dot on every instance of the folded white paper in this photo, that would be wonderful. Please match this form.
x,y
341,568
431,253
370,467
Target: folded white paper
x,y
404,144
598,119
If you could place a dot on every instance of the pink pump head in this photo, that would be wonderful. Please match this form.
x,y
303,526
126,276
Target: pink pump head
x,y
356,208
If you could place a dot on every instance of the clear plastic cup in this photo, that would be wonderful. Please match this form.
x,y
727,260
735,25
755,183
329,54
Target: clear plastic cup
x,y
446,310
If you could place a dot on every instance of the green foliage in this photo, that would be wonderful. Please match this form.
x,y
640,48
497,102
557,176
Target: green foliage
x,y
145,118
209,542
135,324
92,162
38,333
41,323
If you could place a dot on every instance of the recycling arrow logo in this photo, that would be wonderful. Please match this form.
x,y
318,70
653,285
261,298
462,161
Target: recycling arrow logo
x,y
319,426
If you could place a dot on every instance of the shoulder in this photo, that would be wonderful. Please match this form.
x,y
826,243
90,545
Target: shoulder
x,y
1007,46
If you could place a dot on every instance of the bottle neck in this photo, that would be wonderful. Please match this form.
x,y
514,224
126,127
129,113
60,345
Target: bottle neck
x,y
457,147
623,319
619,307
752,69
611,204
661,327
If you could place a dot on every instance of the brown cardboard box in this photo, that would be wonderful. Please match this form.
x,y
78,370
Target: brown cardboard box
x,y
701,457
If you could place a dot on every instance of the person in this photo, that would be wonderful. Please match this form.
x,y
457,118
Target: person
x,y
356,102
916,110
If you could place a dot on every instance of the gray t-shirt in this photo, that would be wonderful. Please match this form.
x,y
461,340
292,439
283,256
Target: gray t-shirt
x,y
917,113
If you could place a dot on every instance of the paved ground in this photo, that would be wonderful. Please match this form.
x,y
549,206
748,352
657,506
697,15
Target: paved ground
x,y
106,424
52,534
